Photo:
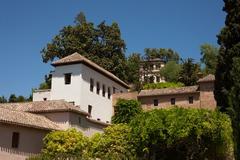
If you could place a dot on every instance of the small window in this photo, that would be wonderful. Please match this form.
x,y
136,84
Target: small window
x,y
114,90
91,84
89,110
79,120
98,87
67,78
158,78
99,119
15,140
103,90
173,101
190,100
44,99
109,93
155,102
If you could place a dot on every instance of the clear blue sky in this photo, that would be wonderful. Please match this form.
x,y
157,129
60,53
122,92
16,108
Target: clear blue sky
x,y
26,26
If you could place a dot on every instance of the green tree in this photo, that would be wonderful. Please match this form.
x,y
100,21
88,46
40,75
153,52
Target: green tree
x,y
162,53
189,73
3,99
209,58
69,143
101,44
114,144
21,99
179,133
227,84
12,98
171,71
47,82
163,85
126,110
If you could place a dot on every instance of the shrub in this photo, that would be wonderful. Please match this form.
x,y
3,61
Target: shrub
x,y
65,143
114,144
125,110
162,85
179,133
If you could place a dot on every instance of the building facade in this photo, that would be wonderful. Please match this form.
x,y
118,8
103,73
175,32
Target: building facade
x,y
149,71
85,84
199,96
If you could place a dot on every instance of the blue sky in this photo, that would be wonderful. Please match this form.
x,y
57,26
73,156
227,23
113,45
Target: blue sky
x,y
26,26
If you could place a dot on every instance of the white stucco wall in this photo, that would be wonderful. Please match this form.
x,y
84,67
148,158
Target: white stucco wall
x,y
79,89
40,95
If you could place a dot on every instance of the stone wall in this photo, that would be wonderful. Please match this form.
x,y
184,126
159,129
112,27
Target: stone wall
x,y
207,99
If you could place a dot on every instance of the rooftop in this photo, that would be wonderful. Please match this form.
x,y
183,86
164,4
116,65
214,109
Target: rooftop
x,y
168,91
207,78
44,106
76,58
21,118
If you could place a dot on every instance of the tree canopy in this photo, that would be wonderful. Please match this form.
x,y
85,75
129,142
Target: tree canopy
x,y
189,72
126,110
171,71
102,44
161,53
227,84
209,58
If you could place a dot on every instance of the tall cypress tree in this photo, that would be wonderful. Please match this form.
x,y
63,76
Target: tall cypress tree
x,y
227,84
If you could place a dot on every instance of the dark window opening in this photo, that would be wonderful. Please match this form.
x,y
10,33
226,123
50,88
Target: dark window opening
x,y
155,102
114,90
79,120
190,100
98,87
103,90
109,93
89,110
99,119
15,140
67,78
91,84
173,101
44,99
158,79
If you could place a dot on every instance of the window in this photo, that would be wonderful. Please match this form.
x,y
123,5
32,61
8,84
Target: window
x,y
91,84
67,78
155,102
109,93
103,90
158,78
173,101
15,140
79,120
114,90
190,100
98,87
44,99
89,110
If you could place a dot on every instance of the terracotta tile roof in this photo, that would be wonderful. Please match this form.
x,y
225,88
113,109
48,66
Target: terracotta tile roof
x,y
207,78
77,58
44,106
21,118
168,91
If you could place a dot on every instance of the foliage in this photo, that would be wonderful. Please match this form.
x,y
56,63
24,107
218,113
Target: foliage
x,y
209,58
47,82
133,65
171,71
179,133
227,75
162,53
114,144
12,98
126,110
162,85
70,142
189,73
101,44
3,99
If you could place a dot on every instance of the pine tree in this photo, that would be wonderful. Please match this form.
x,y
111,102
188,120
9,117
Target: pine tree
x,y
227,84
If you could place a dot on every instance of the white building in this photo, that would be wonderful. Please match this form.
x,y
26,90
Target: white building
x,y
84,83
